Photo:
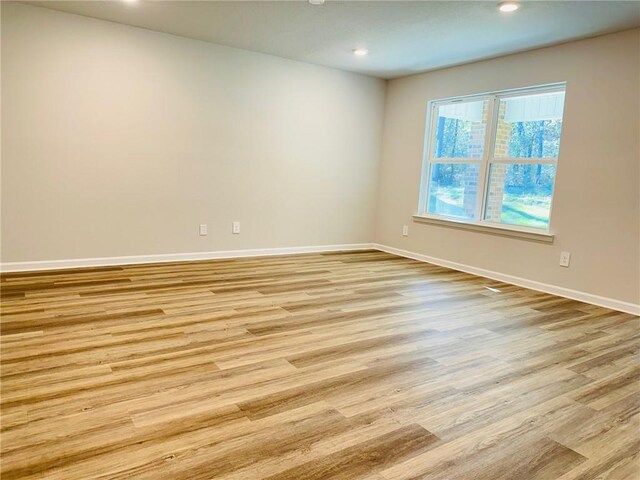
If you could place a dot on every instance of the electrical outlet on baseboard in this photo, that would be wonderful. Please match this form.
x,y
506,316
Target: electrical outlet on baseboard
x,y
565,258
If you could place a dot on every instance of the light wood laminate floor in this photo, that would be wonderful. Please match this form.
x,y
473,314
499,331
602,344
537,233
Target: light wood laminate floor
x,y
328,366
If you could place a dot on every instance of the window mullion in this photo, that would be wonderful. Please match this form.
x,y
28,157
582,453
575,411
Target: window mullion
x,y
456,160
489,142
524,160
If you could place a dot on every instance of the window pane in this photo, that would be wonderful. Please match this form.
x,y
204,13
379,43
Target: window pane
x,y
460,130
520,194
530,126
452,189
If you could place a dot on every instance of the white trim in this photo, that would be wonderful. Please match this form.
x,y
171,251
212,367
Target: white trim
x,y
264,252
606,302
535,90
524,161
487,227
175,257
493,112
425,172
511,92
457,160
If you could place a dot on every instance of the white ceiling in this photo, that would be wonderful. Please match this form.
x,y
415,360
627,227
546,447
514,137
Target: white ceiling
x,y
403,37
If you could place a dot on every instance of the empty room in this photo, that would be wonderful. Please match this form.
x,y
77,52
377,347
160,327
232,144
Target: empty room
x,y
320,239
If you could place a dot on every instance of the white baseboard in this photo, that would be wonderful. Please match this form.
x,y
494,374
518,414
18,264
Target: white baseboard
x,y
174,257
264,252
521,282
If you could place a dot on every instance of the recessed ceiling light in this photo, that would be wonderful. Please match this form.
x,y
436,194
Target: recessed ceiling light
x,y
508,7
316,2
361,52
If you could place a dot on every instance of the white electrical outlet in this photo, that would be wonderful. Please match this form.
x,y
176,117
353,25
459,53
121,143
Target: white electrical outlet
x,y
235,228
565,258
203,229
405,230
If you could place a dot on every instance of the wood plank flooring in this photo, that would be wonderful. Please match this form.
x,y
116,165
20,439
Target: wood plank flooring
x,y
328,366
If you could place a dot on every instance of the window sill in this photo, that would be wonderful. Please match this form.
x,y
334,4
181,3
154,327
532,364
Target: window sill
x,y
491,229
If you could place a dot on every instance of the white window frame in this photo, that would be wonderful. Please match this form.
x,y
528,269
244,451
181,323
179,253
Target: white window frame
x,y
485,162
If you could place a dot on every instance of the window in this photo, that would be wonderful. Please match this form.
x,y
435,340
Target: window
x,y
491,159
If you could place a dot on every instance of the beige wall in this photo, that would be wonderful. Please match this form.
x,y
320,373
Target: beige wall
x,y
121,141
596,209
